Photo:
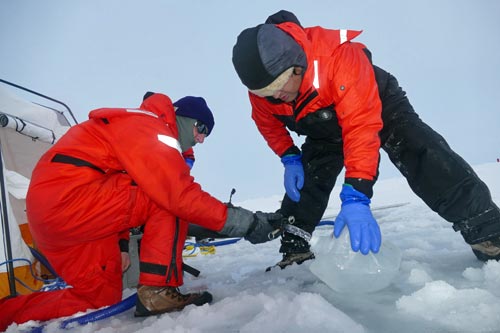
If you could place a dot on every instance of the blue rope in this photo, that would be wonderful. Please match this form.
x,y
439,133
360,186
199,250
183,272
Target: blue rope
x,y
326,222
234,240
210,243
41,258
111,310
219,243
51,284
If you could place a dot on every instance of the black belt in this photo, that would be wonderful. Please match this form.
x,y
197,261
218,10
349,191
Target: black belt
x,y
60,158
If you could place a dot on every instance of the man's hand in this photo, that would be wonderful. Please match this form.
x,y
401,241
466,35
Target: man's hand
x,y
294,175
189,162
355,212
255,227
125,261
264,224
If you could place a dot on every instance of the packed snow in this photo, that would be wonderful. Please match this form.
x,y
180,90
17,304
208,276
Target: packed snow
x,y
440,286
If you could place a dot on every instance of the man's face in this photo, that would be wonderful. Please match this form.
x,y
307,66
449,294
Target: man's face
x,y
290,90
200,131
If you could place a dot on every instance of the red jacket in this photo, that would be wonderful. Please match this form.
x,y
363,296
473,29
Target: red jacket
x,y
342,75
143,143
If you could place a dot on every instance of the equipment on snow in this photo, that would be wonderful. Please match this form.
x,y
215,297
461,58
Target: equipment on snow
x,y
233,191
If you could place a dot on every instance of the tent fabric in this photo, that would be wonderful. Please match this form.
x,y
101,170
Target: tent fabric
x,y
27,130
33,131
20,151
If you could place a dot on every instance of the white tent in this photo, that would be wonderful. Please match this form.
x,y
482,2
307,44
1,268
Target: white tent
x,y
29,124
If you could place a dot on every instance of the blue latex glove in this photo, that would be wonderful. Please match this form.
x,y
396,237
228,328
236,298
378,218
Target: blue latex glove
x,y
355,212
189,162
294,175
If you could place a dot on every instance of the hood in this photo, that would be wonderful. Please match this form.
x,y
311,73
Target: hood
x,y
157,104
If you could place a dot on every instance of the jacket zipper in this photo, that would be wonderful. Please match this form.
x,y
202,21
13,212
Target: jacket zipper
x,y
173,261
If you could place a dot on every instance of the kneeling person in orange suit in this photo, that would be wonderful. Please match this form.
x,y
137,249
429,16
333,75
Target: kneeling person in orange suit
x,y
121,169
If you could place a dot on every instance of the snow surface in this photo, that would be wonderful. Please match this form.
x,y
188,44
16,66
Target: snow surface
x,y
441,286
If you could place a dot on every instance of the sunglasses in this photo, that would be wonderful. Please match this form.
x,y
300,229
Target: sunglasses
x,y
201,127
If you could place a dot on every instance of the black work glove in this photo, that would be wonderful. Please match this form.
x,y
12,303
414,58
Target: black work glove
x,y
254,227
264,224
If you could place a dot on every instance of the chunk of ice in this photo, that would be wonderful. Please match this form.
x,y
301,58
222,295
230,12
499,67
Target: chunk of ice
x,y
346,271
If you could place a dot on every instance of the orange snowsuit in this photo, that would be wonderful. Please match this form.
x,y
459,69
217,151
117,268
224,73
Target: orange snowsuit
x,y
120,169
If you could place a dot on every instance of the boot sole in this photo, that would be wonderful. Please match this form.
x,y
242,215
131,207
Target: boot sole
x,y
298,262
142,311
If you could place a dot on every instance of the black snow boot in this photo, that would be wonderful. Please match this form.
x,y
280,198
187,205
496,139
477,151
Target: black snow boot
x,y
295,250
482,232
487,250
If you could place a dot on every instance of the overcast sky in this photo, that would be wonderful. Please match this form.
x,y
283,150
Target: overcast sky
x,y
93,53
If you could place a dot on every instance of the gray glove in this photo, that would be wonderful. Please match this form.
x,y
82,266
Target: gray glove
x,y
255,228
265,223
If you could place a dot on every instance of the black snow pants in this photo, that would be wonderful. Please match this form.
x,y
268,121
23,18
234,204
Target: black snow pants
x,y
435,173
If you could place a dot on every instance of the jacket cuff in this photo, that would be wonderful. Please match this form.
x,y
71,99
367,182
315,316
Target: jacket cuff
x,y
123,243
293,150
362,185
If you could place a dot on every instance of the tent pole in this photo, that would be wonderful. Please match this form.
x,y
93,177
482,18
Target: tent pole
x,y
5,226
42,95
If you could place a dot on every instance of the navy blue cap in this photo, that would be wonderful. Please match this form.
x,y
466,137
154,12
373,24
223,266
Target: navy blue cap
x,y
195,108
